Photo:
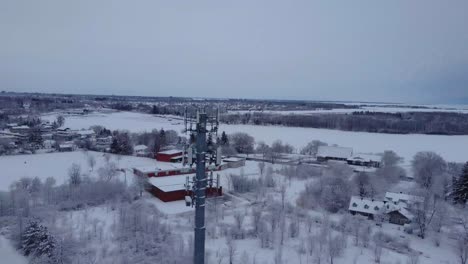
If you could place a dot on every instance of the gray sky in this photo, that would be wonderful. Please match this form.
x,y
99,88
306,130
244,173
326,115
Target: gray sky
x,y
395,50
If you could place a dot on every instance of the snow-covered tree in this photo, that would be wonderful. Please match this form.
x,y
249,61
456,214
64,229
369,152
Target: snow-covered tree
x,y
74,175
37,241
460,192
312,147
428,169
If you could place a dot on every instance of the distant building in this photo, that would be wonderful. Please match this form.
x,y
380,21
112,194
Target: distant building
x,y
103,143
20,129
65,147
86,134
141,150
325,153
364,160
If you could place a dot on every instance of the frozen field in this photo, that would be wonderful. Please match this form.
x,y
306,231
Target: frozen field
x,y
452,148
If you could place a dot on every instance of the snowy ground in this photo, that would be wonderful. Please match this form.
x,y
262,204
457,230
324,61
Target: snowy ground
x,y
97,222
57,164
452,148
8,254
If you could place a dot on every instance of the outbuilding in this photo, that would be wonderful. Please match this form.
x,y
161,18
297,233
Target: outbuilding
x,y
173,155
325,153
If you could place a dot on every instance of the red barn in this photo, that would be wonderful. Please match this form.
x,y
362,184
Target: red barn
x,y
173,155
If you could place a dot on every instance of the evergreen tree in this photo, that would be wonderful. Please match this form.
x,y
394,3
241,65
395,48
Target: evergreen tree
x,y
115,147
155,110
37,241
162,138
224,139
461,187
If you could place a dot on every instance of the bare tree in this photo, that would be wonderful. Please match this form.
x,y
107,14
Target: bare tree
x,y
424,212
261,167
239,219
231,249
91,161
461,248
378,246
312,147
427,167
242,142
413,258
256,219
60,120
74,174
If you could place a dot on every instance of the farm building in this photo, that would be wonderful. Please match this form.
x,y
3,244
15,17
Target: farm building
x,y
173,155
401,198
66,147
366,207
169,189
395,213
233,162
326,153
169,169
365,160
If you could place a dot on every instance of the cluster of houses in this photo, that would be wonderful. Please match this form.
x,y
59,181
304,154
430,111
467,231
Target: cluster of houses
x,y
18,138
396,207
344,154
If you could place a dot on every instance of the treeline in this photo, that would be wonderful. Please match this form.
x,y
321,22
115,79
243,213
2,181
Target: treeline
x,y
438,123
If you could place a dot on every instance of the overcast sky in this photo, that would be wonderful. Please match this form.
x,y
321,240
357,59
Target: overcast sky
x,y
393,50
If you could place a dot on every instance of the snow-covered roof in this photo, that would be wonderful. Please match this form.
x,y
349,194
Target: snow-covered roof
x,y
85,132
335,152
402,211
21,127
170,152
232,159
366,205
402,197
168,184
160,166
365,157
140,147
67,145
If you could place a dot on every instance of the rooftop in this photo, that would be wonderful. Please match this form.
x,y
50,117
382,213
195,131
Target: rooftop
x,y
170,152
336,152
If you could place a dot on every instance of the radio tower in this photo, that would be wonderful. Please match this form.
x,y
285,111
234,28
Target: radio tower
x,y
204,126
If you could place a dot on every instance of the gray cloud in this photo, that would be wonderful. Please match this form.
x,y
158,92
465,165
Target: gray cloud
x,y
319,50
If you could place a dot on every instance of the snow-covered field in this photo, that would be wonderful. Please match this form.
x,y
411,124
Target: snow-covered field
x,y
84,223
8,254
378,109
57,164
452,148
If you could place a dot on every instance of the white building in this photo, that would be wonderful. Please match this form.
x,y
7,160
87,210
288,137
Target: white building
x,y
141,150
325,153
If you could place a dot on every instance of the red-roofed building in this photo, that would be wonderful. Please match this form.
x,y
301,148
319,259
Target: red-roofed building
x,y
173,155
